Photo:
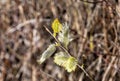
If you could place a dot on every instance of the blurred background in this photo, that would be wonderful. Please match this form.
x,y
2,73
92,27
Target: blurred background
x,y
94,26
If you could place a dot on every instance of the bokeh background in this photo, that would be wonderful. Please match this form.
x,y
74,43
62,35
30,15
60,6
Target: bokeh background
x,y
94,26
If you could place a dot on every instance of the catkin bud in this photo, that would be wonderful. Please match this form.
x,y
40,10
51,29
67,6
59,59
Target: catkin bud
x,y
64,36
47,53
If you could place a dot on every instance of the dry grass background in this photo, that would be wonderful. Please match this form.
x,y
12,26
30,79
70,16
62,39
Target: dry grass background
x,y
23,39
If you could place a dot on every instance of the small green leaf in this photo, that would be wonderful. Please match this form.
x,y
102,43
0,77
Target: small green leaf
x,y
47,53
71,64
60,58
56,26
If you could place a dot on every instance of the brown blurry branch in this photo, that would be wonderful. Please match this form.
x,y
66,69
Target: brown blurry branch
x,y
31,21
93,2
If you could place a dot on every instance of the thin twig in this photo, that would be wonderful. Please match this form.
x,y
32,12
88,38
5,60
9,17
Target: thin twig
x,y
85,72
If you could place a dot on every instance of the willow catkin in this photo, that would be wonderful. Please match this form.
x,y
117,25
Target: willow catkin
x,y
47,53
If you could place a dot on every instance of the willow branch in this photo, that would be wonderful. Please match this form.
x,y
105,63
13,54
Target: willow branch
x,y
67,52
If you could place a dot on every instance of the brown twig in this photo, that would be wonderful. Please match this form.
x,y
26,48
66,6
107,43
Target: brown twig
x,y
92,2
85,72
